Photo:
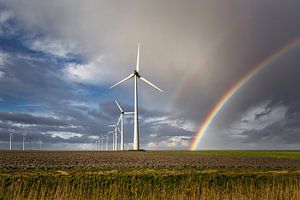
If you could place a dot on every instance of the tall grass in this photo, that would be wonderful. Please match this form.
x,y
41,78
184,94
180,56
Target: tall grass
x,y
150,186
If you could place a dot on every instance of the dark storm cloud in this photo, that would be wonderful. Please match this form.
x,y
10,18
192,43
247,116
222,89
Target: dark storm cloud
x,y
286,131
29,119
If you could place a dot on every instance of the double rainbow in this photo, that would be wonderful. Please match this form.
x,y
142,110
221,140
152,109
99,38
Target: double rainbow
x,y
237,86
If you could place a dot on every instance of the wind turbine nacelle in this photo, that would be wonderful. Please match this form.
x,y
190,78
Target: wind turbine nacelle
x,y
136,73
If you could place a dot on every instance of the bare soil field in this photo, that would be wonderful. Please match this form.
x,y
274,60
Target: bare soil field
x,y
145,159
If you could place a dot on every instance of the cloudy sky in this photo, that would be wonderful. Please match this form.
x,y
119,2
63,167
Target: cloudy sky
x,y
58,59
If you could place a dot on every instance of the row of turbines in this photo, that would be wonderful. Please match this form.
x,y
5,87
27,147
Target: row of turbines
x,y
136,130
102,142
35,143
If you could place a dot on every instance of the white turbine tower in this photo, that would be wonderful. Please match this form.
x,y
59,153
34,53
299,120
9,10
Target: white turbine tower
x,y
39,144
98,143
106,146
113,139
11,131
101,143
30,142
121,118
24,139
116,129
136,76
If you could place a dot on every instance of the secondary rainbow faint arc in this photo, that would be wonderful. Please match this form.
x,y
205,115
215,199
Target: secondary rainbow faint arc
x,y
237,86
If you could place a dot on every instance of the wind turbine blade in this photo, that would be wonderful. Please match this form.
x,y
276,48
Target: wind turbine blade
x,y
128,113
119,120
125,79
138,59
111,125
119,106
146,81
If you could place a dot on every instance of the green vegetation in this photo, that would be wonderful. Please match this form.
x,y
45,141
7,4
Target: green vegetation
x,y
273,154
148,184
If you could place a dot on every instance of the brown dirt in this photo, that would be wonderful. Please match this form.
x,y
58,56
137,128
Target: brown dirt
x,y
137,160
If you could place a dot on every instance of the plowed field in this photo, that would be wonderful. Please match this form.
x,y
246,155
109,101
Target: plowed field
x,y
144,159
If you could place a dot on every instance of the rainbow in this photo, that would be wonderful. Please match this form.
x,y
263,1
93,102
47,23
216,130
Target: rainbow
x,y
237,86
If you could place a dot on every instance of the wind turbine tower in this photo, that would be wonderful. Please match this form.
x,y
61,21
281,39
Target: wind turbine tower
x,y
106,147
121,118
11,132
40,144
24,139
116,137
136,75
102,143
113,139
30,142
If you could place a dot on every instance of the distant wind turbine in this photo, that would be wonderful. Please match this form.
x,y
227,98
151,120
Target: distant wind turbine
x,y
116,129
40,144
101,143
113,139
97,143
106,146
24,139
136,76
121,118
30,142
11,132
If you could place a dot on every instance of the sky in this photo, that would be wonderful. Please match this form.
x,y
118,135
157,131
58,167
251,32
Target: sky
x,y
58,59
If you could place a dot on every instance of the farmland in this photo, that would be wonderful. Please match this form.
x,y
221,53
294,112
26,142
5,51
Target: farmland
x,y
72,159
150,175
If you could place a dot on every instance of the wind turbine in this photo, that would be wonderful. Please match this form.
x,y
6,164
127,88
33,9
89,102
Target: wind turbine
x,y
98,143
113,139
136,76
35,143
101,143
121,118
24,138
106,147
11,131
30,142
40,144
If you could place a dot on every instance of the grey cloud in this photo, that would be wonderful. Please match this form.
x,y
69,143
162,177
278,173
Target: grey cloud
x,y
29,119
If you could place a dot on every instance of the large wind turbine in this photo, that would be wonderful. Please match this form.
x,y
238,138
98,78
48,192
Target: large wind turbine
x,y
11,131
121,118
136,76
